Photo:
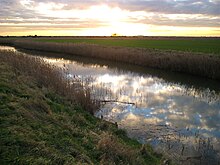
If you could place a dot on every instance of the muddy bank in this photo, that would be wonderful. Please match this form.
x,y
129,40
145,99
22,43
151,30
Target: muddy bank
x,y
199,64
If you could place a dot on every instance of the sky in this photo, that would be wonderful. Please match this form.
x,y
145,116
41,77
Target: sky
x,y
106,17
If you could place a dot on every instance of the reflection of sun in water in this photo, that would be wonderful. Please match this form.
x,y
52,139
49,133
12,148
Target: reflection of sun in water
x,y
58,62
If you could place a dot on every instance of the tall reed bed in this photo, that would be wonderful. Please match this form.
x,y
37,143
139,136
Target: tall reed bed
x,y
192,63
51,77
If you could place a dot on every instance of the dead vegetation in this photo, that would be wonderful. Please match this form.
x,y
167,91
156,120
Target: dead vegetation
x,y
114,151
52,77
187,62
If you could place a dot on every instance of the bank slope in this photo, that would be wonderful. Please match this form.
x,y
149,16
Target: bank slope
x,y
38,126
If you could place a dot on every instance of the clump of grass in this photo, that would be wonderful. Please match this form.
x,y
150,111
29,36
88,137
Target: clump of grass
x,y
40,126
115,152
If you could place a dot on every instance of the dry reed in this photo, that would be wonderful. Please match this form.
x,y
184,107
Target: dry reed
x,y
51,77
192,63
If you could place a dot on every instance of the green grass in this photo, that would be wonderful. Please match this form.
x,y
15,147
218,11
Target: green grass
x,y
190,45
37,126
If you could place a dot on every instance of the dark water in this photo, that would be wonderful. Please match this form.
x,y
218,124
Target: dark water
x,y
177,113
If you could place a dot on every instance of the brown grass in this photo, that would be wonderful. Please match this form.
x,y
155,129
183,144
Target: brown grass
x,y
192,63
115,151
51,77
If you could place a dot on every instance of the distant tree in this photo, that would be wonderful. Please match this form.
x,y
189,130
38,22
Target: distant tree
x,y
114,35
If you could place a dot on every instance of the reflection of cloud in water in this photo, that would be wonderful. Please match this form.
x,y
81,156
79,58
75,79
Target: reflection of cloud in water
x,y
154,98
176,102
156,102
161,103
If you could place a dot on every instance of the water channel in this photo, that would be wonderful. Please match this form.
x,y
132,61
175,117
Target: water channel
x,y
178,114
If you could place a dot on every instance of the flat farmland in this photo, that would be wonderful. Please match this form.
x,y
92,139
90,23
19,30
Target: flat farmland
x,y
200,45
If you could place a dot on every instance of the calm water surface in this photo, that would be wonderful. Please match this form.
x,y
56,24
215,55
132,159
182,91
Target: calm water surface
x,y
178,114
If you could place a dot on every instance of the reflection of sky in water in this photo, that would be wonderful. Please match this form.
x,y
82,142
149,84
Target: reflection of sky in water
x,y
156,101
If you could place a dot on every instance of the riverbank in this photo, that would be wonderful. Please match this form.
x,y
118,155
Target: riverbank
x,y
41,123
201,64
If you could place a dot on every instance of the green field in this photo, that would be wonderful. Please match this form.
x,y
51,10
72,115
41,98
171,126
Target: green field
x,y
202,45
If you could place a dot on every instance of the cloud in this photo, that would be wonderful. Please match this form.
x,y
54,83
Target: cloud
x,y
95,13
184,20
175,6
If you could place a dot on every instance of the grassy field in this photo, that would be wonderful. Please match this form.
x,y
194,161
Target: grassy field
x,y
201,45
40,126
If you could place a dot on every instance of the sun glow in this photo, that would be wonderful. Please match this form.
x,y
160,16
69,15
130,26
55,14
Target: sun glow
x,y
108,19
97,12
102,19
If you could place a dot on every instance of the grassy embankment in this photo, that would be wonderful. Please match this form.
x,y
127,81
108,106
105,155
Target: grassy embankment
x,y
41,123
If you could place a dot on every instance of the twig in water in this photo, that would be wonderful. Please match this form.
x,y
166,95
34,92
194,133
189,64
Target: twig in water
x,y
122,102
